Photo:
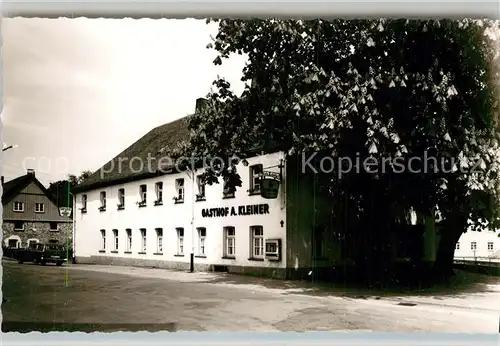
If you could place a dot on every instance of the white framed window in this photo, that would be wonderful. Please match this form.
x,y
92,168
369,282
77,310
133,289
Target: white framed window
x,y
226,192
159,240
84,202
490,246
39,208
229,242
18,206
255,178
473,245
115,240
18,226
103,200
103,239
180,240
143,240
257,241
202,235
201,187
121,198
457,246
53,226
143,191
128,246
179,186
14,243
159,191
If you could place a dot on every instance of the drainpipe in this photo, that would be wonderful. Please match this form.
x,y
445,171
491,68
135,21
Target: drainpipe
x,y
74,230
191,265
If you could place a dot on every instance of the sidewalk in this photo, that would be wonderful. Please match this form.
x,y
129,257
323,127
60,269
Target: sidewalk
x,y
219,302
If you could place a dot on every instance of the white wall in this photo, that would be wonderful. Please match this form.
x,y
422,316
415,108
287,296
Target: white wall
x,y
169,216
481,239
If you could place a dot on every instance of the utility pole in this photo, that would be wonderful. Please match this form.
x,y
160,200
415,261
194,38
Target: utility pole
x,y
191,174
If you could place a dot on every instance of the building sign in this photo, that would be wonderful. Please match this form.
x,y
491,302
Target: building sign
x,y
241,210
269,188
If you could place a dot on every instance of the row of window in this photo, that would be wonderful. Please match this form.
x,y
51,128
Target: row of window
x,y
229,250
473,246
19,207
255,177
21,226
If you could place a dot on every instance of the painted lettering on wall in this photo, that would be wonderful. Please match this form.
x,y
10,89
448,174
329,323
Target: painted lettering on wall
x,y
241,210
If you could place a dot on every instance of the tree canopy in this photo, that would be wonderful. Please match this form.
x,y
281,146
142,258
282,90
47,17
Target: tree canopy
x,y
372,89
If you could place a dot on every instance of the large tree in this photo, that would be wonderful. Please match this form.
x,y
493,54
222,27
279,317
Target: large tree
x,y
370,89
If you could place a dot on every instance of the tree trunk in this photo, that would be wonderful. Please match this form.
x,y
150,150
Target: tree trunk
x,y
443,266
454,225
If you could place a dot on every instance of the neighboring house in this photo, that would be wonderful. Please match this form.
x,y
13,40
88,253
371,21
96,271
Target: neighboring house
x,y
128,214
30,214
479,246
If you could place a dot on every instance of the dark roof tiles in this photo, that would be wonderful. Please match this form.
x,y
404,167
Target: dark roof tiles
x,y
141,158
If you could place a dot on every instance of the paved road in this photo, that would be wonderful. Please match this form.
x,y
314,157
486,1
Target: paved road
x,y
154,299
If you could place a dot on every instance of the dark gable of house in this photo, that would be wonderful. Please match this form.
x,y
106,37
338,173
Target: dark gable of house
x,y
13,188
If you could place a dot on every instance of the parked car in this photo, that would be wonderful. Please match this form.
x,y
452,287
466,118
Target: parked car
x,y
42,254
10,252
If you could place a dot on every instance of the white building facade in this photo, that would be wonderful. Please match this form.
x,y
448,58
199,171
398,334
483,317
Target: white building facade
x,y
161,221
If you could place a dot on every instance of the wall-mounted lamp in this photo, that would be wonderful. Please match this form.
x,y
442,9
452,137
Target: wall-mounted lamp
x,y
244,162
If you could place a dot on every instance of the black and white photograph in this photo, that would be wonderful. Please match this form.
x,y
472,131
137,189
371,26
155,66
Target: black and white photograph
x,y
251,175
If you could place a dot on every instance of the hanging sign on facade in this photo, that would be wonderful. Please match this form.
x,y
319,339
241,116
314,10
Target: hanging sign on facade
x,y
269,188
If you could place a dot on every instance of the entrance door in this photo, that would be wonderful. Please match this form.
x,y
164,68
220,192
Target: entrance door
x,y
13,243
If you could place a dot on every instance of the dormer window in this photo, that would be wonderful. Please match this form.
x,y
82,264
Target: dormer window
x,y
84,204
201,188
179,186
121,199
227,193
143,190
103,201
255,179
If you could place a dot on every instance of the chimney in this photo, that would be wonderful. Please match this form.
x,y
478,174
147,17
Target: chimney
x,y
2,180
200,104
30,171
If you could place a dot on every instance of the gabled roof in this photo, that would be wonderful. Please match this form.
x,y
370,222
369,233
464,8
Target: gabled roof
x,y
157,143
13,187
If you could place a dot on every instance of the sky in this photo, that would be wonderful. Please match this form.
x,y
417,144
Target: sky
x,y
77,92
